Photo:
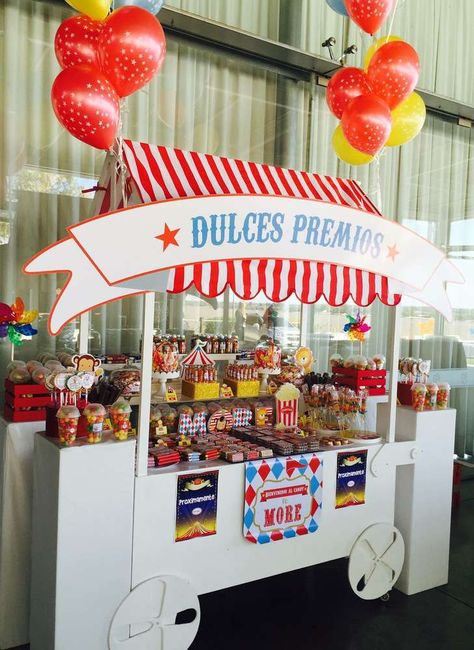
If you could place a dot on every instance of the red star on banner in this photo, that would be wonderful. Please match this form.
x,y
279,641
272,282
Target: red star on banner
x,y
168,237
392,252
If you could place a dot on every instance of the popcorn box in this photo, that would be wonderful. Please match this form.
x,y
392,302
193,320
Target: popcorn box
x,y
286,398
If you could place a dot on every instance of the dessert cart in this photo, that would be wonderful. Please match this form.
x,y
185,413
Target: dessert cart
x,y
107,571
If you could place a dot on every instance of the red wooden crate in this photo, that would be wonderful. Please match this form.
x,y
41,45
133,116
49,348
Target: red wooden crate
x,y
25,402
372,380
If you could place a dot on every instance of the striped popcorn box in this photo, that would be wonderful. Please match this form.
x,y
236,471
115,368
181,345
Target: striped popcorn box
x,y
287,405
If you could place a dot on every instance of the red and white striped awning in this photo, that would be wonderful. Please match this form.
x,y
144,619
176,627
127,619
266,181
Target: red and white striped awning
x,y
159,173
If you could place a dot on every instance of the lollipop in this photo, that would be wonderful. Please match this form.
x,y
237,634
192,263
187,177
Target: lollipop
x,y
19,375
38,375
15,364
379,360
32,365
336,360
68,417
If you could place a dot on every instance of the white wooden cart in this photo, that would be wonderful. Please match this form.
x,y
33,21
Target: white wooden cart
x,y
106,570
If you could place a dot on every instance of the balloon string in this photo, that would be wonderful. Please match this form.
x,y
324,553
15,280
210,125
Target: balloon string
x,y
376,192
120,166
392,20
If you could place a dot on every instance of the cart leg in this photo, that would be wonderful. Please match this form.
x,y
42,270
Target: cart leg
x,y
162,613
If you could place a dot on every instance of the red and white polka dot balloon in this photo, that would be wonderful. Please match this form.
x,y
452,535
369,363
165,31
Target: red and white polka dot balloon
x,y
369,15
393,72
131,48
87,105
343,87
76,41
367,123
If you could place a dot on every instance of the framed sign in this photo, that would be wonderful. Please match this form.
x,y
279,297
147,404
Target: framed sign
x,y
350,479
283,498
196,505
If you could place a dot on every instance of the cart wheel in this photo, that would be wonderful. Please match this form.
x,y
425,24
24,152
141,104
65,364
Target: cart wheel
x,y
385,598
376,561
162,613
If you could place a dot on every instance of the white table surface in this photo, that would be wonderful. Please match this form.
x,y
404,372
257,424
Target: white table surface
x,y
16,481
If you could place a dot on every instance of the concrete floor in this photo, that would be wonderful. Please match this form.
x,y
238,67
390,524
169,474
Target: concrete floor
x,y
315,609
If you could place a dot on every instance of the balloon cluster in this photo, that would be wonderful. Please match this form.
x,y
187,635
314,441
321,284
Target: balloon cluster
x,y
104,57
376,105
356,328
15,322
369,15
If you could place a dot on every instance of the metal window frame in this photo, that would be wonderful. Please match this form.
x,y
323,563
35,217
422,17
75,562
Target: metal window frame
x,y
286,59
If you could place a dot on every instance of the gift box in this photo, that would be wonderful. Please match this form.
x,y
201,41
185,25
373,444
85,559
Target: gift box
x,y
198,391
371,380
25,402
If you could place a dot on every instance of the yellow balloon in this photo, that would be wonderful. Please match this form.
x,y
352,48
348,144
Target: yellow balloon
x,y
95,9
346,152
377,45
407,120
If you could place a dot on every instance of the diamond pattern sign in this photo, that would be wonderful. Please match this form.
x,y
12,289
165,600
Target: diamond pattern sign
x,y
283,498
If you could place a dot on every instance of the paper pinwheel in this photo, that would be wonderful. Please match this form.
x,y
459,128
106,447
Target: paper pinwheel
x,y
15,322
356,328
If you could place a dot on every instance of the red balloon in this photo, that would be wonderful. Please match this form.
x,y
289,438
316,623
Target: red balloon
x,y
367,123
369,15
393,72
76,41
131,49
343,87
87,105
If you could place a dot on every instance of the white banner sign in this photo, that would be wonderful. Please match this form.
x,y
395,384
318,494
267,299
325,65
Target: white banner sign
x,y
129,251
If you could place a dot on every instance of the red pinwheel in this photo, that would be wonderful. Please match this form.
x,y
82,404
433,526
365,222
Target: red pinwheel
x,y
356,328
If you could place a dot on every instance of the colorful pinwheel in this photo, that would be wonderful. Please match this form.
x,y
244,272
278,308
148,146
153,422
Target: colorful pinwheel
x,y
356,328
15,322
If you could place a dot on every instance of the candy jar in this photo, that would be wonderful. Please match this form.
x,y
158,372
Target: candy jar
x,y
431,396
68,417
95,416
169,418
418,394
442,398
156,419
268,361
120,418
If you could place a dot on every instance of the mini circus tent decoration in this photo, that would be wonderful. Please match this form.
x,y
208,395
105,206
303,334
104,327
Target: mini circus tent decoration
x,y
197,366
